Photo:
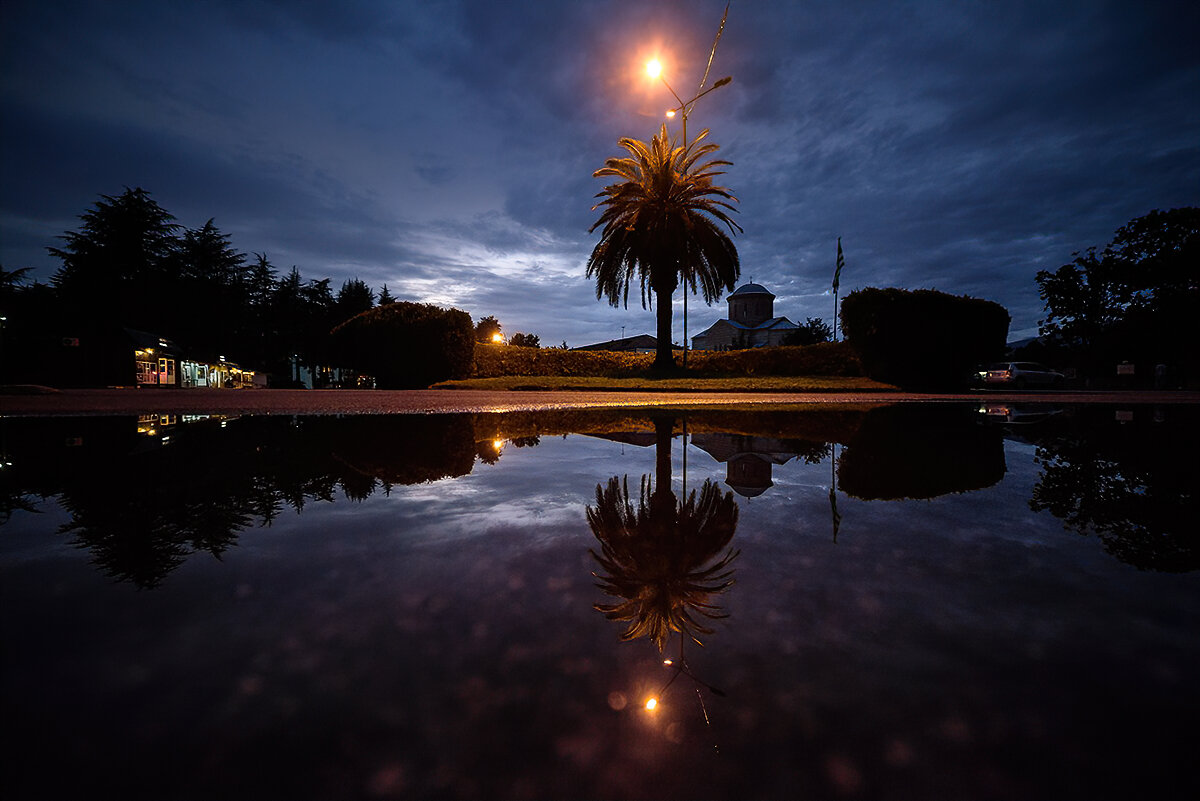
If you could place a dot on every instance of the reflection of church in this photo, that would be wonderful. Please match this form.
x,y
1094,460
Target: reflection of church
x,y
751,324
748,460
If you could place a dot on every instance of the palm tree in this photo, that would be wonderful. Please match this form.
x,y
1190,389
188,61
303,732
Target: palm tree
x,y
662,224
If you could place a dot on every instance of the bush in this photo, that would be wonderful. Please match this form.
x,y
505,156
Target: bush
x,y
923,339
823,358
407,345
828,359
492,361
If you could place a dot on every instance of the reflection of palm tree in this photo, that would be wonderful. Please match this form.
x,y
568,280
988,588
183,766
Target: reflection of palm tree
x,y
663,557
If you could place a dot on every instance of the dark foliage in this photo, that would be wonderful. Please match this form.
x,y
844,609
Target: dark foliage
x,y
824,359
486,329
922,339
407,345
1138,300
813,331
520,340
130,265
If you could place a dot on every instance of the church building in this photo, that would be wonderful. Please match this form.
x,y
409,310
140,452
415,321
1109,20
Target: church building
x,y
751,324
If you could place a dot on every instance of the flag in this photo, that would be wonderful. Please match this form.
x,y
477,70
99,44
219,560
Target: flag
x,y
841,262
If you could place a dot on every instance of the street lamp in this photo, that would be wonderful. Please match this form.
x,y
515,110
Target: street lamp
x,y
654,70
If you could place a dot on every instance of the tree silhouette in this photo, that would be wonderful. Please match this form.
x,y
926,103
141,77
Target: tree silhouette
x,y
813,330
212,286
355,297
1137,298
661,225
119,264
486,328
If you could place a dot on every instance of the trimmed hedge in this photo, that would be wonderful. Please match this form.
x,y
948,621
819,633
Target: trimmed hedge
x,y
824,359
923,339
407,345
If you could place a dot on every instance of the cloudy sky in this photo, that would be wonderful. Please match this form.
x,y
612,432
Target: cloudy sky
x,y
446,148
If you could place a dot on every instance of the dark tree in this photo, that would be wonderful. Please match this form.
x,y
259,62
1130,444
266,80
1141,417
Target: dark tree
x,y
407,345
385,296
486,329
1138,299
118,265
212,288
525,340
258,332
662,225
288,312
355,297
320,317
813,331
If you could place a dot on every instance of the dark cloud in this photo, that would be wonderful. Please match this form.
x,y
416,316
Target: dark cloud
x,y
446,149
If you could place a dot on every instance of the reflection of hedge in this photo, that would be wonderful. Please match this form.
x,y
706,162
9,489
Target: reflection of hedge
x,y
922,339
405,449
406,345
826,359
914,451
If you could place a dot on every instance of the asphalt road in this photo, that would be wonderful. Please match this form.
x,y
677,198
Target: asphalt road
x,y
23,402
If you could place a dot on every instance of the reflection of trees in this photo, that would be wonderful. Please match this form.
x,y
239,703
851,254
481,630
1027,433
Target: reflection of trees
x,y
142,507
1121,483
662,557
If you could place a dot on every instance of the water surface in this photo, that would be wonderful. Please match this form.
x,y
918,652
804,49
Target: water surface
x,y
908,601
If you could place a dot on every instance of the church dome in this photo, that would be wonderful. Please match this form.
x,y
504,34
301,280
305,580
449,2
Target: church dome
x,y
751,289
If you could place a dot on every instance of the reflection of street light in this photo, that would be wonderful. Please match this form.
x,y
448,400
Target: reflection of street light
x,y
497,338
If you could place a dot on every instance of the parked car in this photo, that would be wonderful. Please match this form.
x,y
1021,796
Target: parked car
x,y
1022,374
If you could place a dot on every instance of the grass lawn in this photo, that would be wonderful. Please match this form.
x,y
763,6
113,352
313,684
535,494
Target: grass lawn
x,y
673,384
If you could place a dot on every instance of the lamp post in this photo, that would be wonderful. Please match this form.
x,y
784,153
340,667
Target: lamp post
x,y
654,70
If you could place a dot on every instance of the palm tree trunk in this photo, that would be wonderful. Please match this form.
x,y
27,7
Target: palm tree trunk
x,y
663,358
662,500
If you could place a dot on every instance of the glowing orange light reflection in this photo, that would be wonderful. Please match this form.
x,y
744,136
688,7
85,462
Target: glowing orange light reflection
x,y
651,704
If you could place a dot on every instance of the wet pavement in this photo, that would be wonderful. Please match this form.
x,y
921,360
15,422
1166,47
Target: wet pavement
x,y
430,401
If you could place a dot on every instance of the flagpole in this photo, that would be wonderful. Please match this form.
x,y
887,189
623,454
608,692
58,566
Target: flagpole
x,y
835,314
837,277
